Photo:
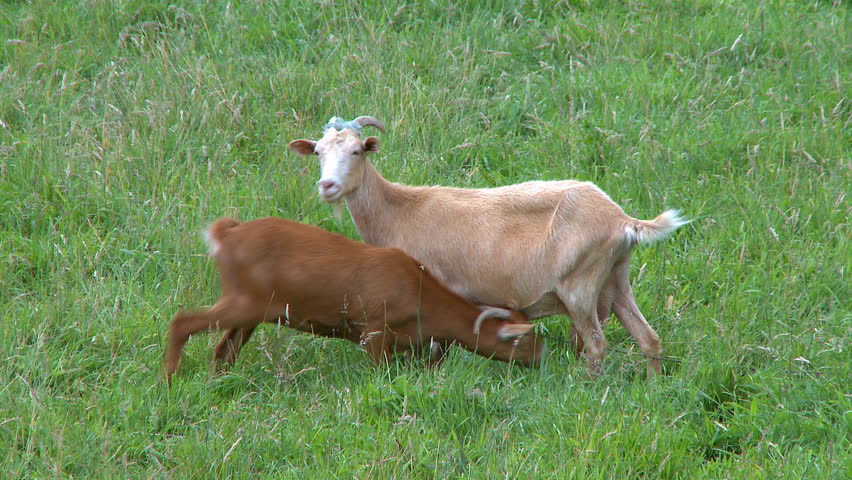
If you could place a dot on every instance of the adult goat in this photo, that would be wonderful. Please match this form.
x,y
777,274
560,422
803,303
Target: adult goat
x,y
542,247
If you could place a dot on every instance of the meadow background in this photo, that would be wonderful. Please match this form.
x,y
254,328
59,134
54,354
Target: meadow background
x,y
127,126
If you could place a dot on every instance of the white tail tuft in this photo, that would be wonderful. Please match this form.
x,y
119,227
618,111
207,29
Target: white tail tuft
x,y
214,232
645,231
212,244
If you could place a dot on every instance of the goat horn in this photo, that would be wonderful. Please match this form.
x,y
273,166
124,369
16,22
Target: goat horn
x,y
488,313
368,121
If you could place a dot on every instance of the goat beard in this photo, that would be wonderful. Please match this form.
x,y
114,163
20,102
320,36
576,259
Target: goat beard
x,y
338,209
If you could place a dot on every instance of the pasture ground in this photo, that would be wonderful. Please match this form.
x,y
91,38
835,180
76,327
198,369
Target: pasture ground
x,y
125,127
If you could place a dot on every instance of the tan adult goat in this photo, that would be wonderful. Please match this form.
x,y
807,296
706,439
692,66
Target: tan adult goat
x,y
544,247
276,270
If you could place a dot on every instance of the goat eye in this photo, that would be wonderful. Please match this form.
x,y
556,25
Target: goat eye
x,y
356,152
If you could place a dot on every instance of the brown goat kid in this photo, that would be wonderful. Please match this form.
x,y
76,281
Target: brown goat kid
x,y
275,270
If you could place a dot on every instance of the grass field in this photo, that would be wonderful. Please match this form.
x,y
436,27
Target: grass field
x,y
125,127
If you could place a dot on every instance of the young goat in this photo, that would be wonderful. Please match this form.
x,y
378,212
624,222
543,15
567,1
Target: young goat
x,y
275,270
541,247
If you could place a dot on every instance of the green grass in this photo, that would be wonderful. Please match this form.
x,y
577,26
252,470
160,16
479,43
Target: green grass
x,y
125,127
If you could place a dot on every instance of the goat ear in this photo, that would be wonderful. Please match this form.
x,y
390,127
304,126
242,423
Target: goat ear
x,y
514,330
371,144
303,147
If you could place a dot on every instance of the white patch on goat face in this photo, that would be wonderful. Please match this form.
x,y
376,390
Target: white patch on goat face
x,y
341,156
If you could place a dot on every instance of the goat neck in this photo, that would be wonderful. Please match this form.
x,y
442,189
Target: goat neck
x,y
373,195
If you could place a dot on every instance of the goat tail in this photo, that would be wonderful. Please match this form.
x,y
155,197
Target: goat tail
x,y
645,231
213,234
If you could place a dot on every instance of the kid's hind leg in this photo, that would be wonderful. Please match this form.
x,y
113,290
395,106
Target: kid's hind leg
x,y
227,313
231,343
